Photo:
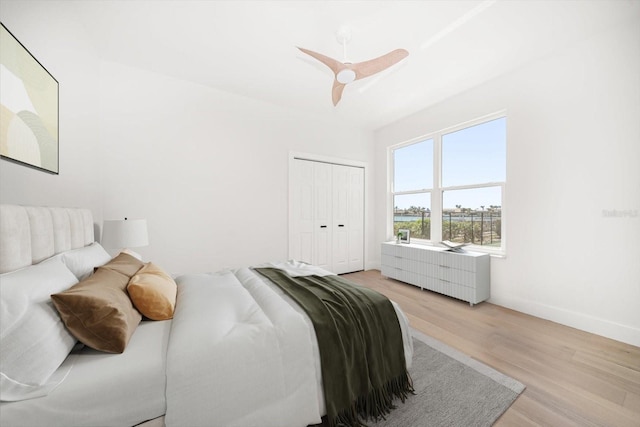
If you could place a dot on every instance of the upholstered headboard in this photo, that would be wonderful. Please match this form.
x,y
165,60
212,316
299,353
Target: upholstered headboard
x,y
30,234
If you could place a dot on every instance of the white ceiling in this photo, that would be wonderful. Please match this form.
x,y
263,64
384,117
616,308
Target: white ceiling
x,y
249,47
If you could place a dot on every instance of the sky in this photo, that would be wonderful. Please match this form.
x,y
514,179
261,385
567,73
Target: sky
x,y
473,155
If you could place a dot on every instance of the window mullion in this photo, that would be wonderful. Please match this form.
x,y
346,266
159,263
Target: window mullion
x,y
436,195
400,193
390,192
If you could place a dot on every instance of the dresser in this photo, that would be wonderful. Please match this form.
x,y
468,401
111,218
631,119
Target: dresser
x,y
462,275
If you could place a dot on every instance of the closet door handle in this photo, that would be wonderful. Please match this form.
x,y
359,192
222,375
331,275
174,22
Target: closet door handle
x,y
323,226
340,225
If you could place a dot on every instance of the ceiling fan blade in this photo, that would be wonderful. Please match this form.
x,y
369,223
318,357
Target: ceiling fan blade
x,y
333,64
346,73
373,66
336,92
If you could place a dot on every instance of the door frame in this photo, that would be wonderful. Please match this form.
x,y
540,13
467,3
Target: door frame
x,y
297,155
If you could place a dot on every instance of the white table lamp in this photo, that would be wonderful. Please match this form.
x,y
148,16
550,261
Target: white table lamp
x,y
125,233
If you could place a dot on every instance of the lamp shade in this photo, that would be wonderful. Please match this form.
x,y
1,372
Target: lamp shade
x,y
125,233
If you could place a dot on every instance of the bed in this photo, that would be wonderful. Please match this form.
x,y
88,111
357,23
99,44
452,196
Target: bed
x,y
238,350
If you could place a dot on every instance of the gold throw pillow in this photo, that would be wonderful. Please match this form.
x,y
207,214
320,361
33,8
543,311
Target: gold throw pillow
x,y
153,292
98,311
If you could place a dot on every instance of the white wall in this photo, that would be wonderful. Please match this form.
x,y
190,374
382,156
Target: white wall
x,y
573,150
209,170
57,43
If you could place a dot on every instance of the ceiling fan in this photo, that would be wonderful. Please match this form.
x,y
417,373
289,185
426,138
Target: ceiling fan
x,y
347,72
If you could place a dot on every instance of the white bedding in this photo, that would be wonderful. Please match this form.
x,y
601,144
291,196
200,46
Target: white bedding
x,y
251,337
103,389
237,353
255,335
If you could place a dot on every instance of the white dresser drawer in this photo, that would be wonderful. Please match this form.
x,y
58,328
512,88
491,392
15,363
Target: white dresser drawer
x,y
429,257
391,272
397,262
457,261
389,260
455,290
461,277
389,250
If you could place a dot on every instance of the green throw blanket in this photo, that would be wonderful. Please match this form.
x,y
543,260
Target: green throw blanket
x,y
360,342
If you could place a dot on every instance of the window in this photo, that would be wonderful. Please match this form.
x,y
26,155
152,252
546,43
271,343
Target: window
x,y
412,189
450,185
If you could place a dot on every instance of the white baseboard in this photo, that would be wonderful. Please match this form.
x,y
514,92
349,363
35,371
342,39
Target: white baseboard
x,y
582,321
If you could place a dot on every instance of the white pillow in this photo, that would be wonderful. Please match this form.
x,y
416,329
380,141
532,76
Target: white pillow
x,y
33,339
82,261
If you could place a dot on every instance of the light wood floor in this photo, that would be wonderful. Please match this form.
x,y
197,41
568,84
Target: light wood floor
x,y
573,378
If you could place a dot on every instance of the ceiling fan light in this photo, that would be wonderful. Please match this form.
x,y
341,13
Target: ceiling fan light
x,y
346,76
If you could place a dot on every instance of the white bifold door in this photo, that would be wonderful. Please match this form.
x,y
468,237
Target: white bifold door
x,y
326,223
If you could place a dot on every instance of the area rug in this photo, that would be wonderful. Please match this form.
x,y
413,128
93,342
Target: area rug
x,y
451,389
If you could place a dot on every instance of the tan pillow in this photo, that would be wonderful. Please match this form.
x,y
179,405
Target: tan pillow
x,y
153,292
125,264
98,311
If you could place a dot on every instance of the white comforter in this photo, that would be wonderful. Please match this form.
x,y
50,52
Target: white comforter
x,y
237,353
233,329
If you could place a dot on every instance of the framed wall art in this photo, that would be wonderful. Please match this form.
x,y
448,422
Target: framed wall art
x,y
28,108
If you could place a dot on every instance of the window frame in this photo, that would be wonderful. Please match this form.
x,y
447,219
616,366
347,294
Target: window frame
x,y
437,191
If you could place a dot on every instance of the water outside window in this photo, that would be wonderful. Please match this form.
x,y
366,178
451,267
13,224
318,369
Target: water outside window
x,y
413,212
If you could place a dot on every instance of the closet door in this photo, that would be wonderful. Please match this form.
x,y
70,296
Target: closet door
x,y
323,219
302,224
327,215
348,219
355,210
341,226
